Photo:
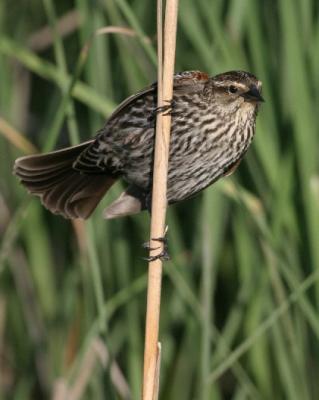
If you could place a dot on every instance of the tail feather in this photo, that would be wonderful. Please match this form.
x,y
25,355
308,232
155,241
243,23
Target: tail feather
x,y
62,189
39,183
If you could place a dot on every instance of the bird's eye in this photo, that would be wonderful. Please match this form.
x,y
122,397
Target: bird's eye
x,y
232,89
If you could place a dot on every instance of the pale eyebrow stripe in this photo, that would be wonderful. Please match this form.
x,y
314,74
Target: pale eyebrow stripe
x,y
228,83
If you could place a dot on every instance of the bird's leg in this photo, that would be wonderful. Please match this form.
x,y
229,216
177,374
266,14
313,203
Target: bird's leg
x,y
163,255
167,109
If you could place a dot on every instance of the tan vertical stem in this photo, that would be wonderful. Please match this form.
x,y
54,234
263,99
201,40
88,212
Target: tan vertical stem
x,y
159,203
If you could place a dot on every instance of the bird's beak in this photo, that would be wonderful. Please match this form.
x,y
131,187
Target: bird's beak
x,y
253,95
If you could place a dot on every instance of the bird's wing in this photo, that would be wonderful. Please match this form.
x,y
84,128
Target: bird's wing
x,y
184,82
190,78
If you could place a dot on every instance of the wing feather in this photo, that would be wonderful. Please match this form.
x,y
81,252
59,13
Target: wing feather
x,y
95,158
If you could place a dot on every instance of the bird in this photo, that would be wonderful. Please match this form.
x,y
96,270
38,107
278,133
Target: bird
x,y
213,124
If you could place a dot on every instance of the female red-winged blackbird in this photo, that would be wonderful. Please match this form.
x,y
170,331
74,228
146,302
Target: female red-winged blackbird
x,y
213,123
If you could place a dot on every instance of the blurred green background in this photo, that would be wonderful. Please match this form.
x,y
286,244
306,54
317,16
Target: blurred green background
x,y
240,298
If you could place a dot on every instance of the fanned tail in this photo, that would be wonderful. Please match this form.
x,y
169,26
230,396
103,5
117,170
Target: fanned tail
x,y
62,189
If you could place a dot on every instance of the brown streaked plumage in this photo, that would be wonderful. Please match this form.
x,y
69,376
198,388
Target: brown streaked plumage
x,y
213,124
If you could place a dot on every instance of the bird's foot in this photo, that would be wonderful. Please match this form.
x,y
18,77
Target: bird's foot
x,y
163,255
167,109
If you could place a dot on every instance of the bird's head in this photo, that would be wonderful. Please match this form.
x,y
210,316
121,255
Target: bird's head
x,y
237,91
